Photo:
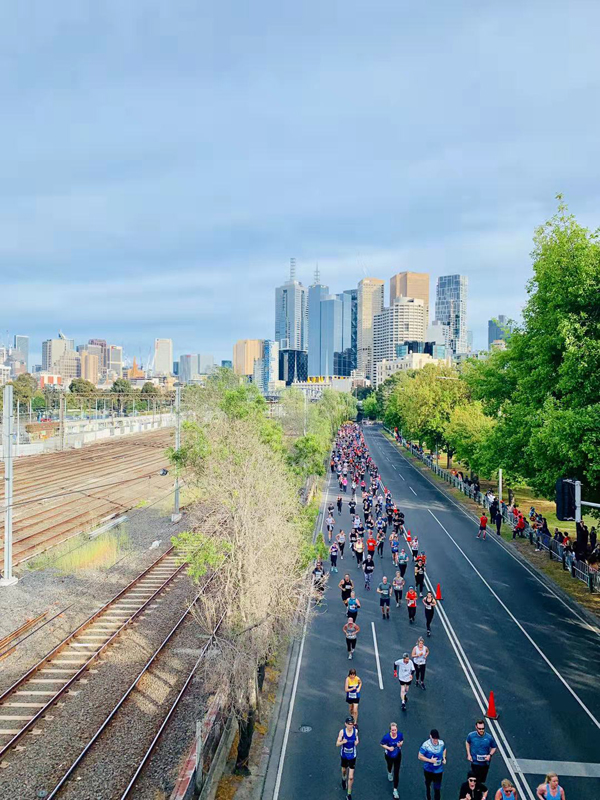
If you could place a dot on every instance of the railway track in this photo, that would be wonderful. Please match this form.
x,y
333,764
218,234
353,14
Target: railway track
x,y
26,703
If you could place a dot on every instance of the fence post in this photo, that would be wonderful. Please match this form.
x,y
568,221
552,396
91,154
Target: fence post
x,y
591,581
199,754
564,559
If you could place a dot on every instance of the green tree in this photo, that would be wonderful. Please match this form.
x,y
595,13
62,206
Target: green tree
x,y
82,387
24,387
121,386
150,389
467,432
370,407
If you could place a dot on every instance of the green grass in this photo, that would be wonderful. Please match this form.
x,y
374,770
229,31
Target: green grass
x,y
82,553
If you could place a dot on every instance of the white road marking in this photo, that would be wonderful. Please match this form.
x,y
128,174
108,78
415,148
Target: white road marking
x,y
518,624
412,490
377,655
500,542
577,769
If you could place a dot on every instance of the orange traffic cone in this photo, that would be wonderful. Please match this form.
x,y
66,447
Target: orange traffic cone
x,y
491,710
408,536
438,593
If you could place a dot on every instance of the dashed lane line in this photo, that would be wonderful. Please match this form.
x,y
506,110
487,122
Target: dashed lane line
x,y
412,490
377,655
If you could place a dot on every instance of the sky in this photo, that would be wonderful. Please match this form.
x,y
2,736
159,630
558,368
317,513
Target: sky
x,y
163,161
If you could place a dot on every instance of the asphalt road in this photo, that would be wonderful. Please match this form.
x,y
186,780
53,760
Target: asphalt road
x,y
499,627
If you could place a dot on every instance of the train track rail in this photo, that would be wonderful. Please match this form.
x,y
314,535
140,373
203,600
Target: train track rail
x,y
26,703
128,704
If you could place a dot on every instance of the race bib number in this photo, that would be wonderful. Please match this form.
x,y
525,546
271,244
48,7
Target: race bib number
x,y
481,758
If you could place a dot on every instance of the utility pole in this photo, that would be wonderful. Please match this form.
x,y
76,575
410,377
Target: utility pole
x,y
62,401
8,578
176,515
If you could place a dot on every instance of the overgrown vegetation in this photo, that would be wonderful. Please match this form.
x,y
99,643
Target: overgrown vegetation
x,y
250,530
532,409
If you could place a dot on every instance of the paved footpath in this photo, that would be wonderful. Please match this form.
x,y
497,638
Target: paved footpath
x,y
499,627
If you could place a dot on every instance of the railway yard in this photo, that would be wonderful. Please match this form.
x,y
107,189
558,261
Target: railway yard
x,y
98,695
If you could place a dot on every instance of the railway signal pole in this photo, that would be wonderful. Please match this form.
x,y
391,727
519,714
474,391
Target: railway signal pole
x,y
8,578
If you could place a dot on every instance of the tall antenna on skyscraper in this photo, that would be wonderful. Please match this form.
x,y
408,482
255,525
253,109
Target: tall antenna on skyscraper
x,y
292,269
317,275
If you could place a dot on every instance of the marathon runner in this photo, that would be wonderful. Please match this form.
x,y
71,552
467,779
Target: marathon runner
x,y
352,605
369,569
398,584
483,520
433,753
352,687
347,741
480,746
351,631
420,576
429,604
341,540
384,590
346,585
392,746
404,670
419,656
411,604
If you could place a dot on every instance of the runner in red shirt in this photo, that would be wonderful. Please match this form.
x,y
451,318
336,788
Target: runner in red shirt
x,y
411,604
482,526
371,545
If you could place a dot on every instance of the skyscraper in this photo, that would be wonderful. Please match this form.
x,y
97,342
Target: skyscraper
x,y
370,302
293,366
331,333
316,293
291,313
402,322
163,356
245,352
21,345
114,354
266,369
89,366
411,284
206,363
226,364
188,368
451,309
499,328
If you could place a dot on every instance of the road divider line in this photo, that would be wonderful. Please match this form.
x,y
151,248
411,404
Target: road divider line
x,y
518,624
377,655
412,490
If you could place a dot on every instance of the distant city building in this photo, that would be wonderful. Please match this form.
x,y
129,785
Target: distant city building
x,y
4,374
403,321
176,368
499,328
411,284
370,302
350,299
114,355
101,351
163,356
438,332
291,313
451,309
89,366
52,350
266,369
245,353
49,379
21,350
68,365
498,344
226,364
188,368
469,341
293,365
134,373
316,293
331,334
385,369
206,363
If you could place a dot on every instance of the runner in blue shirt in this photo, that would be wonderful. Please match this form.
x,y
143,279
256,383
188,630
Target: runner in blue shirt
x,y
392,746
433,754
481,746
347,741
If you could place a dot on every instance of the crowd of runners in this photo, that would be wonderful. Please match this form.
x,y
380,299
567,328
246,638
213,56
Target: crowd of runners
x,y
381,523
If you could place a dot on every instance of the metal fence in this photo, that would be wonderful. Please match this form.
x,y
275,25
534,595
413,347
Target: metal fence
x,y
580,570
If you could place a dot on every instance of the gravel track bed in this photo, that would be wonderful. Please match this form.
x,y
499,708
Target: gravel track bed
x,y
44,758
106,771
83,593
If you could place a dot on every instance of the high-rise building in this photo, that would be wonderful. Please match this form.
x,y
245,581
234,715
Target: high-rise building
x,y
176,368
291,313
499,328
245,353
451,309
163,356
403,321
114,354
351,319
266,369
206,363
188,368
411,284
316,293
331,334
21,346
102,353
52,350
89,366
293,366
68,365
370,302
226,364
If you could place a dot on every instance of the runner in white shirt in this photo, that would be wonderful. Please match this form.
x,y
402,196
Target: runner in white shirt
x,y
419,656
404,670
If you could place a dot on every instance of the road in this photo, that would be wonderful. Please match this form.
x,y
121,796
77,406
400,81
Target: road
x,y
499,627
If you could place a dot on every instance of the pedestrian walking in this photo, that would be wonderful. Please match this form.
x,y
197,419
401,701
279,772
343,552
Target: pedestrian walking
x,y
392,747
506,791
333,555
411,604
551,789
472,789
346,585
347,741
429,604
480,746
404,670
499,522
398,583
419,657
384,590
352,687
369,569
351,631
433,754
483,520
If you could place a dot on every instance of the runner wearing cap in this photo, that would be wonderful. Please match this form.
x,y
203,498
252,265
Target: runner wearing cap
x,y
404,670
433,753
347,741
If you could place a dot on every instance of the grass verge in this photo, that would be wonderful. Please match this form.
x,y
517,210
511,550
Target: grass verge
x,y
83,553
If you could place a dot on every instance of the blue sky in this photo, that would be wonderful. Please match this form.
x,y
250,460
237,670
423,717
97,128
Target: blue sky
x,y
162,161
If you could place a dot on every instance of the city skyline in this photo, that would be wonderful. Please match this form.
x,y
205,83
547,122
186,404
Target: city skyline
x,y
115,219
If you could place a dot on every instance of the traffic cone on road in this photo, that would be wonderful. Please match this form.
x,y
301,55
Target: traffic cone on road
x,y
408,536
491,709
438,593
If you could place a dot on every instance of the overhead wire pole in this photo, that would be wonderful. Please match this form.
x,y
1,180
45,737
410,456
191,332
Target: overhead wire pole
x,y
8,578
176,516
